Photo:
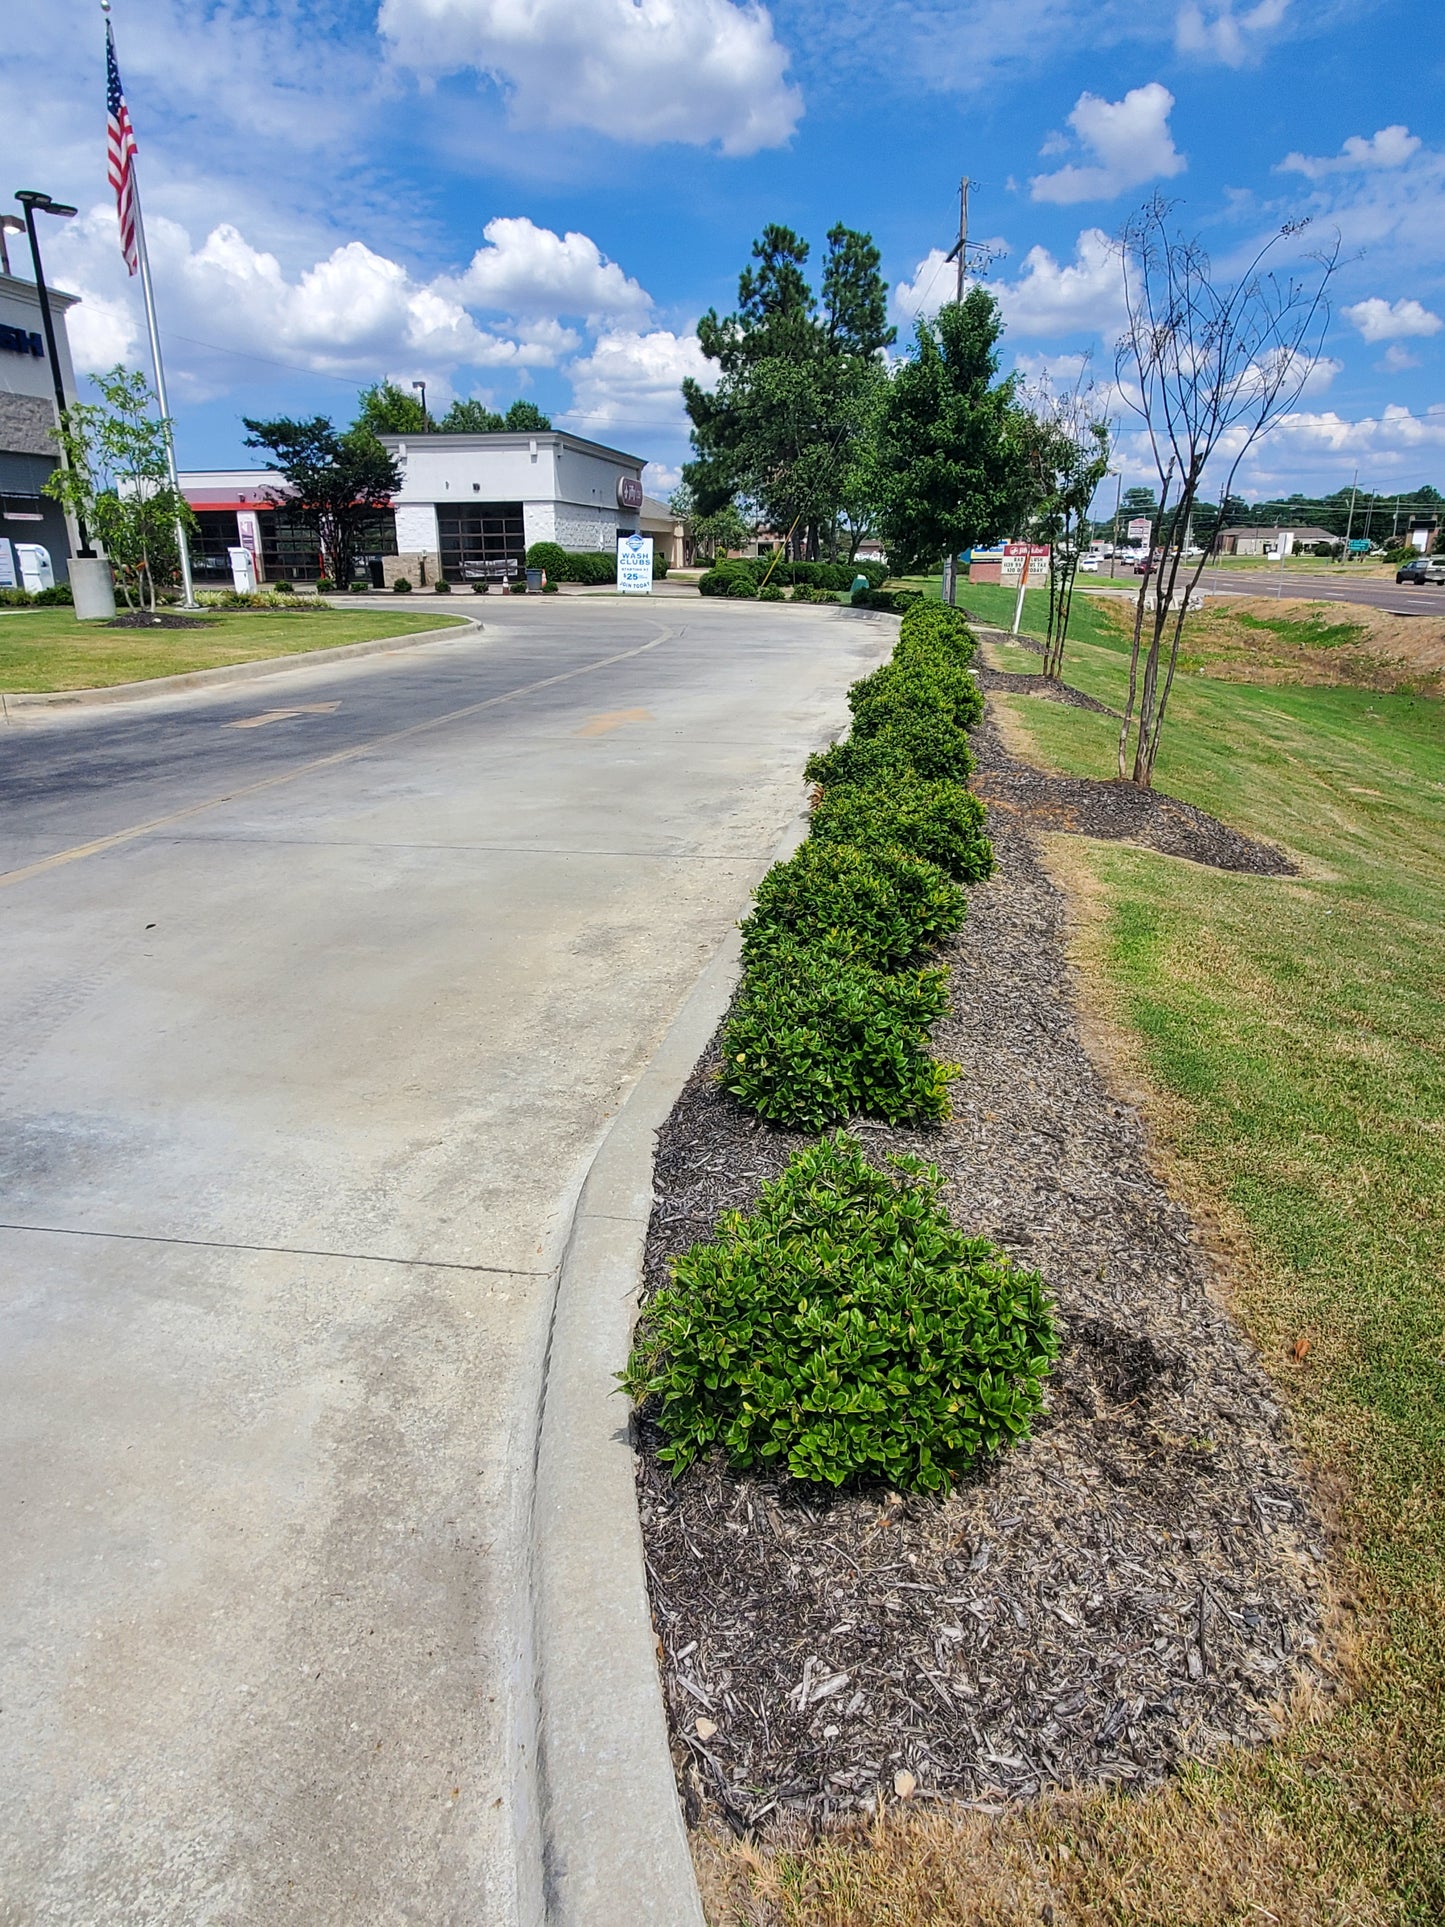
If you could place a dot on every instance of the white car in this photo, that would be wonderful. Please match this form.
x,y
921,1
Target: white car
x,y
1089,565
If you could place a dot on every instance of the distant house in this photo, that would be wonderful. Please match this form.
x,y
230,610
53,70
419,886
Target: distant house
x,y
1278,541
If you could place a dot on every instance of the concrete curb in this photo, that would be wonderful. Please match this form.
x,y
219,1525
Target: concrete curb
x,y
614,1846
134,692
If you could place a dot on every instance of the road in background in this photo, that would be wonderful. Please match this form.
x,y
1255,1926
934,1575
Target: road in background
x,y
318,996
1297,585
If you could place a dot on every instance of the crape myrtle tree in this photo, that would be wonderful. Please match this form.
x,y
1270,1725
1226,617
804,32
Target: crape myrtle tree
x,y
336,482
795,395
116,477
951,441
1208,366
1064,440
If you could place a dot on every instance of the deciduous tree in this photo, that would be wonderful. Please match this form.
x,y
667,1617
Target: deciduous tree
x,y
336,482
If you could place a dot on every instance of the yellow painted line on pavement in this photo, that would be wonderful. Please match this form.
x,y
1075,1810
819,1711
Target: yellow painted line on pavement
x,y
117,838
284,715
613,719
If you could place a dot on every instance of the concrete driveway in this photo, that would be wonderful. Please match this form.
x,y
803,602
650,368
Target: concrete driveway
x,y
318,995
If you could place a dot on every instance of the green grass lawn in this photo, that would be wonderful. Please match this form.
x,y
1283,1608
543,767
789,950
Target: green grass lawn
x,y
47,649
1293,1032
993,604
1300,1028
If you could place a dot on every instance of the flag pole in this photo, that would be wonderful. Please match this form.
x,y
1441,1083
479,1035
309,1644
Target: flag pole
x,y
153,328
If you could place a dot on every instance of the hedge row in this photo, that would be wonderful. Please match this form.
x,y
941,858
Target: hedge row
x,y
596,567
845,1328
832,1015
744,576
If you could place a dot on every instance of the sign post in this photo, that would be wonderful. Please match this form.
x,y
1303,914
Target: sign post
x,y
634,564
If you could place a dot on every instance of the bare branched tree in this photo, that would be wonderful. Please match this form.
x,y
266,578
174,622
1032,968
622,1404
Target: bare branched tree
x,y
1066,446
1208,368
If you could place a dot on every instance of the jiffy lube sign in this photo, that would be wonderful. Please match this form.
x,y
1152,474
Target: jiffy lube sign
x,y
634,564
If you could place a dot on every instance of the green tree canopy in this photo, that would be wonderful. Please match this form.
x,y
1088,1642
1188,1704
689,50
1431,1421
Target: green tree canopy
x,y
797,380
336,482
951,467
386,409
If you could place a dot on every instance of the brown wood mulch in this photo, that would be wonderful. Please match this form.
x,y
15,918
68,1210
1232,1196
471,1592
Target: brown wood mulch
x,y
1142,1582
142,619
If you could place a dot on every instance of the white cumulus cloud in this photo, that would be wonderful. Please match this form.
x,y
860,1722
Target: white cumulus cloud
x,y
1218,30
1129,141
644,71
529,270
1381,320
1390,147
632,380
1052,298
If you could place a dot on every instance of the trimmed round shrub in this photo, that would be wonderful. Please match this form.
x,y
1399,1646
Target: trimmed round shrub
x,y
913,744
941,822
879,907
324,585
442,588
770,592
814,1039
845,1329
918,687
550,556
549,587
480,586
283,587
741,588
400,587
360,588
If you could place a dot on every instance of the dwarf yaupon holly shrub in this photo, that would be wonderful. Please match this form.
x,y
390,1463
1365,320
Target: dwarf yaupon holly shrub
x,y
813,1039
928,688
913,742
845,1329
880,907
941,822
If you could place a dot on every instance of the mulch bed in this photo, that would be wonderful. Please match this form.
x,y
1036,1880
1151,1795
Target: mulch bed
x,y
139,619
1143,1581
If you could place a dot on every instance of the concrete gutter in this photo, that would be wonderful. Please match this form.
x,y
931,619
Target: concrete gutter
x,y
614,1845
135,692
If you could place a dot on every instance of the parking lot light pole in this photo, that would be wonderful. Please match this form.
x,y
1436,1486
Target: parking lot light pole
x,y
31,199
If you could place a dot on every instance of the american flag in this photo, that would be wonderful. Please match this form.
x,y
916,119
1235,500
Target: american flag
x,y
119,153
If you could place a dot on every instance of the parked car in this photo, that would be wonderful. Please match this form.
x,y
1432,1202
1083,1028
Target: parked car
x,y
1424,569
1144,566
1089,564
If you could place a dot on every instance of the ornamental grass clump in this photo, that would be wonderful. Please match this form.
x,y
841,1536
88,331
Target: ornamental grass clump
x,y
879,907
845,1330
940,822
813,1039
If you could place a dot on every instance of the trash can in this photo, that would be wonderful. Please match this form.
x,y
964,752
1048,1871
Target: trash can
x,y
534,582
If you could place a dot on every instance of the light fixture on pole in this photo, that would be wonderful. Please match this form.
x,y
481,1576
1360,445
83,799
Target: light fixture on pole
x,y
9,224
425,418
33,201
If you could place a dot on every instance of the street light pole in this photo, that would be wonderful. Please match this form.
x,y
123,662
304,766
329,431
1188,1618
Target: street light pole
x,y
9,224
30,200
425,418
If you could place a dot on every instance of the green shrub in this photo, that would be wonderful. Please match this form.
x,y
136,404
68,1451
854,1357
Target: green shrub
x,y
324,585
845,1329
912,744
892,602
283,587
941,822
480,586
59,596
741,588
16,599
519,587
595,568
879,907
807,592
443,587
550,556
659,568
401,586
716,579
549,587
916,686
770,592
360,588
814,1039
934,628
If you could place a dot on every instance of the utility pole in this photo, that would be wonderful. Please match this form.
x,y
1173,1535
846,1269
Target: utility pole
x,y
959,250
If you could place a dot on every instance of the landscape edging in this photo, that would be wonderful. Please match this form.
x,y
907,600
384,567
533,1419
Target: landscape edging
x,y
134,692
614,1844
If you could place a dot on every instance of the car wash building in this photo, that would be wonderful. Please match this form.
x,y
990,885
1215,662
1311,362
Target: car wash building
x,y
470,506
28,454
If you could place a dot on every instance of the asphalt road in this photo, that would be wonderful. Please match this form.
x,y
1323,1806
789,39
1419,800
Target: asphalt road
x,y
318,995
1301,585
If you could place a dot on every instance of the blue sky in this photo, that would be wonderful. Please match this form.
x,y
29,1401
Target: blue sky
x,y
539,197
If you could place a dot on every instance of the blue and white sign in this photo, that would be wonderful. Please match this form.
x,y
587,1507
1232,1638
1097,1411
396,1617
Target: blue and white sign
x,y
634,564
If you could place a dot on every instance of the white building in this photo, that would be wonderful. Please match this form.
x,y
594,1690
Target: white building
x,y
472,505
